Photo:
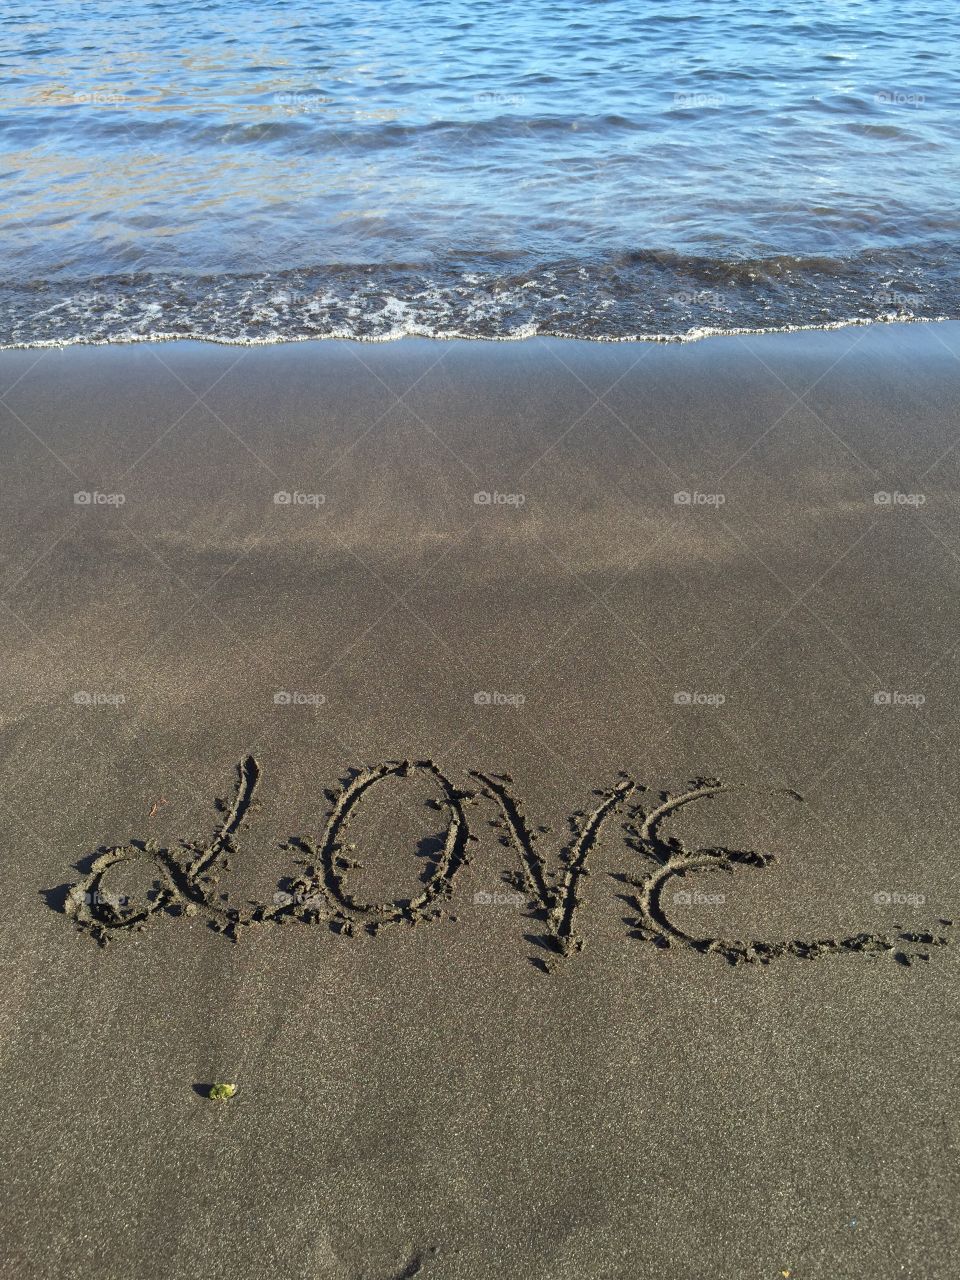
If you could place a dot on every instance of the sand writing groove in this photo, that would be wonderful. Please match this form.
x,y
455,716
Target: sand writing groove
x,y
557,906
322,894
186,882
672,862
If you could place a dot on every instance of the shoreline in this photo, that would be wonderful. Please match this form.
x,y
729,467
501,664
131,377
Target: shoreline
x,y
697,335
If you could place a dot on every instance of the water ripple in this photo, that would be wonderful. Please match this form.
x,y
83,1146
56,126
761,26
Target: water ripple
x,y
800,165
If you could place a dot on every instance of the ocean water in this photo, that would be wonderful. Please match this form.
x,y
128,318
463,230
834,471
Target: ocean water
x,y
256,171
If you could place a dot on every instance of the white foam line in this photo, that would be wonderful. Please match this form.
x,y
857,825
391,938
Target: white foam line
x,y
448,335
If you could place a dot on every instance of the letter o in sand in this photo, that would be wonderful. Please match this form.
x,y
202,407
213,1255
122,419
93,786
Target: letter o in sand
x,y
330,878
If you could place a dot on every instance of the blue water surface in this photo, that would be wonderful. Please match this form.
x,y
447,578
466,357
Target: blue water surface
x,y
253,171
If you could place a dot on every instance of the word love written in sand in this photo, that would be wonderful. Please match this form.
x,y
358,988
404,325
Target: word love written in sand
x,y
187,880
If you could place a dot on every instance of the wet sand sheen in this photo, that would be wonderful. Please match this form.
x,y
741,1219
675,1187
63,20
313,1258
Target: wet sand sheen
x,y
460,1047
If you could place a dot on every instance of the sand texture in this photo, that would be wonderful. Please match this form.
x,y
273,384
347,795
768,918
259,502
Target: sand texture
x,y
528,771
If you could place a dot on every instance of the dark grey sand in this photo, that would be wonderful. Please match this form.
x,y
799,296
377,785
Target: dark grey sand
x,y
455,1097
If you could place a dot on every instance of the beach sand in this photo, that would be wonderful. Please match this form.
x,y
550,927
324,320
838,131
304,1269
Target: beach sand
x,y
486,1092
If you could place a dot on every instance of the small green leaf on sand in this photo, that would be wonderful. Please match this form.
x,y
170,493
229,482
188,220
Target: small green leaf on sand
x,y
221,1092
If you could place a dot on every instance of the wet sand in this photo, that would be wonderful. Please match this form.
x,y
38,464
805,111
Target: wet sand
x,y
718,1039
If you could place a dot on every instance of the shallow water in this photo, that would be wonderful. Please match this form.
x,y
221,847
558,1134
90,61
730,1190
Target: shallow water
x,y
257,171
